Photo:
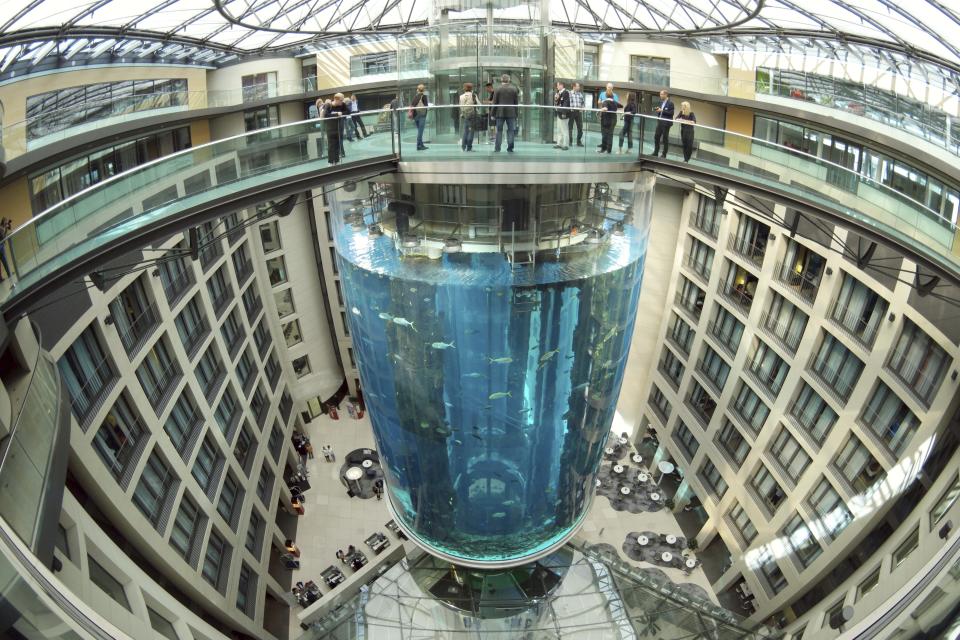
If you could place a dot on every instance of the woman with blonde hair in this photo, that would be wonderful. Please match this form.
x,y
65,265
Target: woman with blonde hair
x,y
688,119
419,111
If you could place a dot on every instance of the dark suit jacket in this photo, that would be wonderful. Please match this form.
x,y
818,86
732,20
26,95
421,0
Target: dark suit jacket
x,y
505,98
666,116
562,101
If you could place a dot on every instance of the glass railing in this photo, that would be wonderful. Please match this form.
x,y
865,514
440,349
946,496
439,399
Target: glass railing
x,y
150,194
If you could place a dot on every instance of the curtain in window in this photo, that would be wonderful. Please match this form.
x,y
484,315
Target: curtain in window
x,y
85,372
890,418
151,491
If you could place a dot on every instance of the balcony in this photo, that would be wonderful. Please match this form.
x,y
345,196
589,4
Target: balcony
x,y
805,285
711,377
138,330
768,383
723,339
692,307
752,251
863,330
175,288
738,295
709,225
244,271
838,388
699,267
702,407
673,377
782,333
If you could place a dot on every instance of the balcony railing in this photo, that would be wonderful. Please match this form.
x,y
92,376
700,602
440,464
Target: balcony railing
x,y
702,407
921,385
830,379
139,329
711,377
221,299
700,267
193,340
693,307
244,271
738,295
710,225
783,333
663,412
723,338
803,284
771,385
175,288
684,347
673,377
753,250
87,400
863,330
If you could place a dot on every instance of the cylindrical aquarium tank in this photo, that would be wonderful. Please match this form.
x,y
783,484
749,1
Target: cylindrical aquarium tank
x,y
491,339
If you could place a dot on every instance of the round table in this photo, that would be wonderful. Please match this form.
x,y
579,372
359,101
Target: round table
x,y
367,464
625,490
623,441
666,556
637,458
642,541
655,497
642,477
608,451
665,468
671,539
691,563
618,468
353,473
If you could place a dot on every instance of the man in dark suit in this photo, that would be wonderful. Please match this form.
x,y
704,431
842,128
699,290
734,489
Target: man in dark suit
x,y
665,112
506,97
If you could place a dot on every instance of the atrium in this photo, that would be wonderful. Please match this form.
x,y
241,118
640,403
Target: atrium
x,y
592,319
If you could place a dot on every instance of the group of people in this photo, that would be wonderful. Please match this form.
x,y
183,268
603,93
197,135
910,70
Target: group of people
x,y
341,120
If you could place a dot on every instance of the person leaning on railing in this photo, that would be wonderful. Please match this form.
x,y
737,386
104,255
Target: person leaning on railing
x,y
333,112
687,120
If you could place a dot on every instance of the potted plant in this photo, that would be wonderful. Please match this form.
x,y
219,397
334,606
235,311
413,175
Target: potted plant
x,y
692,544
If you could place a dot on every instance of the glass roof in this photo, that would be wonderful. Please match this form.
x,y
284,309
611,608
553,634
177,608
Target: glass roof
x,y
196,30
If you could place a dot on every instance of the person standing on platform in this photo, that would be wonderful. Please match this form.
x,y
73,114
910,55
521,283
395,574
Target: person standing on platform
x,y
687,120
608,120
419,109
506,97
665,111
358,126
333,113
562,103
628,112
577,103
469,115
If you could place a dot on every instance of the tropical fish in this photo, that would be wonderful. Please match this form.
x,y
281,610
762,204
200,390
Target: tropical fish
x,y
475,374
383,315
476,436
499,394
470,332
458,442
528,409
509,503
499,514
503,360
413,289
355,311
403,322
545,358
442,345
424,424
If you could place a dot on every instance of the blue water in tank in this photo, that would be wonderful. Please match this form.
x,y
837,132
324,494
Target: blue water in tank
x,y
491,389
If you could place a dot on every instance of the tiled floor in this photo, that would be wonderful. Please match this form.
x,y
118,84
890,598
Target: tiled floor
x,y
333,521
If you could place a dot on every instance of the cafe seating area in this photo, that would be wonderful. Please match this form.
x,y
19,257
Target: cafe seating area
x,y
662,550
360,473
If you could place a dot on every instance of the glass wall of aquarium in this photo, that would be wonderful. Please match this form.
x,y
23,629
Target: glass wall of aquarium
x,y
491,338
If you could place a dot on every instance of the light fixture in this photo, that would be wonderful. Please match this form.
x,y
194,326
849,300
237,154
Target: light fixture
x,y
829,271
452,245
410,241
891,317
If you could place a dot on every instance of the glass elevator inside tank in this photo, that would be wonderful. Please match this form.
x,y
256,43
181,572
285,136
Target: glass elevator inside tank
x,y
491,326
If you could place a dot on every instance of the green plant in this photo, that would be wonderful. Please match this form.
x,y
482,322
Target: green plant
x,y
669,503
692,544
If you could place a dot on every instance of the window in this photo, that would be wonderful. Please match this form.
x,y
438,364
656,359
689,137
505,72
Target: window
x,y
277,270
242,266
291,333
888,417
259,86
227,414
772,574
284,300
246,370
261,336
868,584
858,310
215,561
683,437
161,625
707,216
272,368
711,478
301,366
61,542
245,448
767,489
680,334
373,63
259,405
690,297
714,369
699,258
233,226
836,367
801,270
232,332
154,489
254,537
176,276
270,236
157,374
191,325
791,457
186,527
246,589
210,372
813,414
110,585
804,546
751,239
672,367
265,484
726,329
741,524
767,368
908,546
946,501
231,499
918,362
701,403
209,242
750,408
133,316
784,321
659,403
738,286
262,118
285,406
207,465
118,438
649,70
275,443
251,302
86,373
220,290
732,441
857,466
827,503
